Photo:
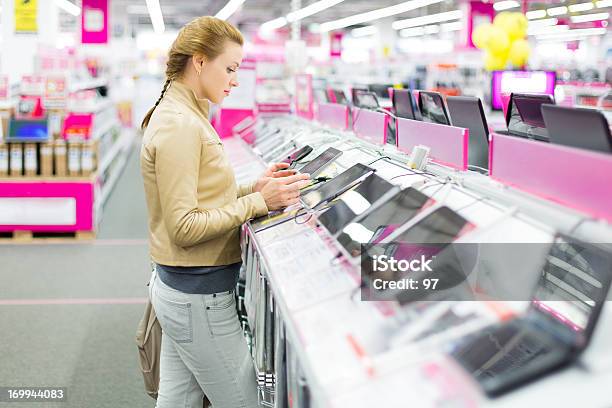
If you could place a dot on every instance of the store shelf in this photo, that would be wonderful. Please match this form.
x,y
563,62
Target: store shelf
x,y
87,84
120,145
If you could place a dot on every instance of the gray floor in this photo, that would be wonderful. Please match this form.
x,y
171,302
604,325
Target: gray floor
x,y
88,348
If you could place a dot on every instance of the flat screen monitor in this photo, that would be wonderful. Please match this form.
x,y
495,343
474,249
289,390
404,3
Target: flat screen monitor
x,y
403,104
467,112
395,212
28,130
336,186
432,107
354,202
316,165
507,82
578,127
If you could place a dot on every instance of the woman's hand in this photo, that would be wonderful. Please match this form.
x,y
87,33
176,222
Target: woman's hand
x,y
274,170
281,192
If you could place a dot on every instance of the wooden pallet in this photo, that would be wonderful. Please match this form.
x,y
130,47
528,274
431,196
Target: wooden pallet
x,y
46,237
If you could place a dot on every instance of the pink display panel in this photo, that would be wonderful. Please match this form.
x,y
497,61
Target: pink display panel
x,y
542,82
333,115
576,178
226,119
448,144
82,192
94,22
370,126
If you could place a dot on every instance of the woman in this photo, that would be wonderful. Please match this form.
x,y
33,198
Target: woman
x,y
195,211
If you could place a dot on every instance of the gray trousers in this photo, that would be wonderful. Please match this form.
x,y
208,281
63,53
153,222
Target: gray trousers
x,y
203,350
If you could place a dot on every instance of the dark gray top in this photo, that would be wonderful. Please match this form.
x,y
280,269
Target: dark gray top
x,y
202,280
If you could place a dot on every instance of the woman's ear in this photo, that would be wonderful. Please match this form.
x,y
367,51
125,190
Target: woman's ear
x,y
198,62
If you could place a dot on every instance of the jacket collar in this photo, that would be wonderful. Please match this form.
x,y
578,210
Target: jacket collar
x,y
187,97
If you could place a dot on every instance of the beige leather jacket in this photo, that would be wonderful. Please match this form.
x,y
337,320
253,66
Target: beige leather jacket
x,y
195,207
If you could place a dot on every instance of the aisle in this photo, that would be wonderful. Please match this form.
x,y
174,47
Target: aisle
x,y
72,323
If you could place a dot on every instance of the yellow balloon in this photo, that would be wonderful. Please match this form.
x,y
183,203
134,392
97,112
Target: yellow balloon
x,y
494,62
497,42
519,53
514,24
481,34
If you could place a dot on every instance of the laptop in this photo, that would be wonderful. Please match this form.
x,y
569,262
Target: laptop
x,y
578,127
432,107
380,220
329,190
366,100
355,202
556,328
404,105
467,112
295,156
316,165
339,97
524,116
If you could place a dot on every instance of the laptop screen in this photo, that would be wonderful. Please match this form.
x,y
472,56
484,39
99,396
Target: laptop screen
x,y
432,108
530,108
332,188
395,212
578,127
573,285
366,100
467,112
403,104
354,202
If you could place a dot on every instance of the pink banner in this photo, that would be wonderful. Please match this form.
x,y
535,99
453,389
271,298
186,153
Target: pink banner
x,y
448,144
576,178
94,22
370,126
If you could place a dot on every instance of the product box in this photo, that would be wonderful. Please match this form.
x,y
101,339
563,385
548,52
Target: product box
x,y
4,159
74,158
30,159
46,160
16,159
88,157
60,158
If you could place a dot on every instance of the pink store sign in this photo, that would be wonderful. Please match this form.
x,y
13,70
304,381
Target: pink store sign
x,y
94,22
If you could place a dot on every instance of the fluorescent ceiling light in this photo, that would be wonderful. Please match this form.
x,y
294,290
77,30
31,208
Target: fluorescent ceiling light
x,y
273,24
429,19
585,18
376,14
604,3
432,29
572,35
412,32
574,8
157,19
364,31
314,8
456,26
542,23
68,7
548,30
532,15
229,9
557,11
506,5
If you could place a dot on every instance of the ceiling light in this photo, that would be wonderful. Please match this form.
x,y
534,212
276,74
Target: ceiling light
x,y
376,14
432,29
273,24
548,30
456,26
429,19
572,35
585,18
364,31
506,5
229,9
574,8
604,3
157,19
557,11
412,32
68,7
532,15
542,23
314,8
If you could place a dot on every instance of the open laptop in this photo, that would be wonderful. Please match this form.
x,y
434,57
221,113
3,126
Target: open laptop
x,y
432,107
467,112
556,328
404,104
329,190
315,166
578,127
366,100
524,116
355,202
